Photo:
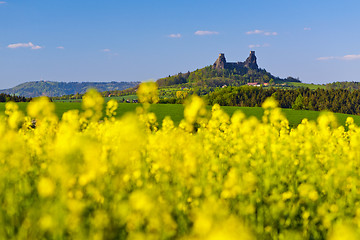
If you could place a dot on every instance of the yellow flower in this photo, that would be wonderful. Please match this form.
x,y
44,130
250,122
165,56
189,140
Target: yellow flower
x,y
46,187
147,92
111,107
270,103
92,103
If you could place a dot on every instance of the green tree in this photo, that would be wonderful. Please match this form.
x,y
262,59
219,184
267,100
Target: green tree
x,y
299,103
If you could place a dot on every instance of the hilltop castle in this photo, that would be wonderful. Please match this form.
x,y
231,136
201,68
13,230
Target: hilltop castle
x,y
250,63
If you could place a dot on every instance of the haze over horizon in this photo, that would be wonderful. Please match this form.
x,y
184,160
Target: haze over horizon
x,y
316,41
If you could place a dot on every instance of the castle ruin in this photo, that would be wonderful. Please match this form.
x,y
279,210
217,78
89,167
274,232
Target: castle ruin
x,y
250,63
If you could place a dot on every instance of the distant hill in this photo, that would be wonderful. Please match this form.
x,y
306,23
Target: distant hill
x,y
225,73
54,89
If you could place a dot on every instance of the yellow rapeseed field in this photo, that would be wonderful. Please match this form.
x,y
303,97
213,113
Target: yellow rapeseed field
x,y
211,177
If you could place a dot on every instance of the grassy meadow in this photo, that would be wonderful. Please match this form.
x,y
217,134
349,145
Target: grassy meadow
x,y
306,85
176,111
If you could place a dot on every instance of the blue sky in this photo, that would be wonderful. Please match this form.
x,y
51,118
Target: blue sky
x,y
115,40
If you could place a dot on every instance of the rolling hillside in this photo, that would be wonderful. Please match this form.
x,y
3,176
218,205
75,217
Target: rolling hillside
x,y
52,89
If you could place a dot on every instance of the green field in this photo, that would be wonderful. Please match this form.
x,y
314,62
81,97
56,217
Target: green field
x,y
175,111
307,85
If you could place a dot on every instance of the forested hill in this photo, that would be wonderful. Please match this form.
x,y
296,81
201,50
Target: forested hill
x,y
53,89
225,73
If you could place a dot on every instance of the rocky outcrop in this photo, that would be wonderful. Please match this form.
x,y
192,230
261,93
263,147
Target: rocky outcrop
x,y
220,62
250,63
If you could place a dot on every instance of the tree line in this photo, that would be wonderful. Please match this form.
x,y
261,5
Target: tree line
x,y
344,85
13,98
334,100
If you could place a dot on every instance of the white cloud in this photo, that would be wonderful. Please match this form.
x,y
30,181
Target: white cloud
x,y
346,57
262,32
259,45
25,45
60,47
270,33
109,52
202,33
254,32
175,35
325,58
351,57
307,28
2,2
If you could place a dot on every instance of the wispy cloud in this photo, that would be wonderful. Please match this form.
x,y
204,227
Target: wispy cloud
x,y
259,45
307,29
202,33
2,2
351,57
346,57
109,52
270,33
60,47
261,32
254,32
325,58
24,45
175,35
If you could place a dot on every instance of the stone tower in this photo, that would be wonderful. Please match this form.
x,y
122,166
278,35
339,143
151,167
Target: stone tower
x,y
250,62
220,62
